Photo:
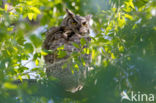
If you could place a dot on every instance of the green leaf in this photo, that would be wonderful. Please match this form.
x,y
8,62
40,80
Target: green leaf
x,y
44,53
121,22
28,48
86,51
61,47
6,7
20,39
112,56
9,85
20,78
129,16
36,10
76,66
82,41
83,61
36,55
28,76
36,41
22,69
93,53
34,69
58,1
75,45
37,62
61,54
30,16
121,48
131,4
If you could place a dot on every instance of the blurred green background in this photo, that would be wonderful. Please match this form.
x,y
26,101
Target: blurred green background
x,y
123,49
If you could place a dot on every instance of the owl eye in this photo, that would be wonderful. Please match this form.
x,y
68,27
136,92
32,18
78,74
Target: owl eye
x,y
84,23
74,23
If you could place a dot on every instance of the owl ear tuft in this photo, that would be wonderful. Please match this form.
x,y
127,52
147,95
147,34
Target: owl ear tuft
x,y
69,13
88,17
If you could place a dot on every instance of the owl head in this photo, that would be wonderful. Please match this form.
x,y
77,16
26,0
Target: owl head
x,y
78,24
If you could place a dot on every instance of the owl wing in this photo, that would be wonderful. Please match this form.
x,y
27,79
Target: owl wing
x,y
53,40
50,34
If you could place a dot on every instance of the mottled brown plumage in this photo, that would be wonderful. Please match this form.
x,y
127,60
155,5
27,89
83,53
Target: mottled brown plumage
x,y
72,30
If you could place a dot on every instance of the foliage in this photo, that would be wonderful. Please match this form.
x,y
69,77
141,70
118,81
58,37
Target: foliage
x,y
123,49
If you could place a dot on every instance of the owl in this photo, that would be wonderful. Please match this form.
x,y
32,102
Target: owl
x,y
64,41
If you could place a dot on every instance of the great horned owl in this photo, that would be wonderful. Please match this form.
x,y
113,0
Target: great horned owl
x,y
72,29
